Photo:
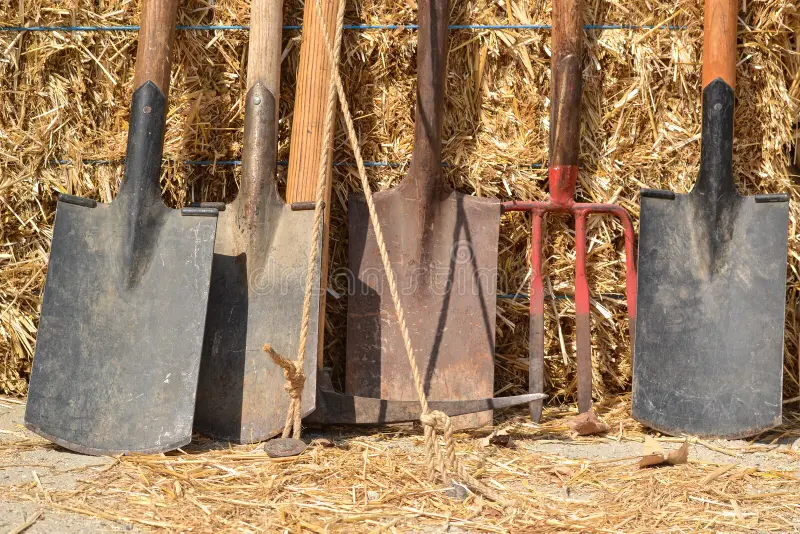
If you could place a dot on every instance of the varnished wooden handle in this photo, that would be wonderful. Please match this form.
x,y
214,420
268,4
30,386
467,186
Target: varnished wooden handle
x,y
566,82
719,41
310,102
308,131
264,53
156,39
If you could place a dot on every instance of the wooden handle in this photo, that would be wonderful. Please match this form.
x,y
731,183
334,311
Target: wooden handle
x,y
566,82
311,99
308,131
264,53
156,39
719,41
431,73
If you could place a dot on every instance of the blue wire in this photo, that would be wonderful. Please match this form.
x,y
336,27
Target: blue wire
x,y
557,296
346,27
236,162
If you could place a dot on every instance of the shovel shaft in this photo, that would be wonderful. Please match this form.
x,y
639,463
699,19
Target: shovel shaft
x,y
140,188
261,113
156,38
264,52
719,41
310,106
307,146
565,109
431,59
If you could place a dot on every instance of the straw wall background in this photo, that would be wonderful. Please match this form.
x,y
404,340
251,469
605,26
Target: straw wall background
x,y
64,100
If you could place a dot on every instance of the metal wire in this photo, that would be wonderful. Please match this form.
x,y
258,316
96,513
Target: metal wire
x,y
236,162
361,27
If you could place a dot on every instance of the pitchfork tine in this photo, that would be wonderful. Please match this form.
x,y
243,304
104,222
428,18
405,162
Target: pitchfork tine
x,y
562,178
536,336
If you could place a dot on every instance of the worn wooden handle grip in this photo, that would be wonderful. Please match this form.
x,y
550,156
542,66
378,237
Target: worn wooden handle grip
x,y
566,82
311,99
431,73
719,41
156,39
264,53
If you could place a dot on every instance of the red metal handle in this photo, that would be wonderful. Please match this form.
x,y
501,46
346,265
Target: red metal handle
x,y
719,41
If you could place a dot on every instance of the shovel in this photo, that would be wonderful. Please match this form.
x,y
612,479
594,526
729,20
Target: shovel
x,y
259,275
443,248
307,149
708,354
121,328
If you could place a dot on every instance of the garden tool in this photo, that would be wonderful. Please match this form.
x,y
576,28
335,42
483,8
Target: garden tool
x,y
565,127
121,328
339,409
308,145
708,356
443,248
306,152
259,275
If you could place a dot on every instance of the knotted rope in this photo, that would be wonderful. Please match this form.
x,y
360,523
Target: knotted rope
x,y
436,459
293,371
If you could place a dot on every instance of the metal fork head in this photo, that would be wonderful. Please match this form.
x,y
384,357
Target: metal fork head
x,y
562,181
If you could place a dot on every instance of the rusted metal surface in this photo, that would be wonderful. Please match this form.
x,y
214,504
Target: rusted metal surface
x,y
443,249
338,409
257,290
562,177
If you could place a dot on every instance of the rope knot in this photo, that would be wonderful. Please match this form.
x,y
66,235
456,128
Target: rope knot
x,y
434,419
295,381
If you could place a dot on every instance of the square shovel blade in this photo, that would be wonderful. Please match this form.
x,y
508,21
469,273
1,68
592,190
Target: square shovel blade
x,y
446,272
712,268
118,350
121,327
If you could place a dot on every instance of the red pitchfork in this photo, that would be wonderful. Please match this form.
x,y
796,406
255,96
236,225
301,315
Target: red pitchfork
x,y
567,36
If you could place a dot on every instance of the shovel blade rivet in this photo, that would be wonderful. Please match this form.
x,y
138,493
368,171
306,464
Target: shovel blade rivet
x,y
147,110
257,100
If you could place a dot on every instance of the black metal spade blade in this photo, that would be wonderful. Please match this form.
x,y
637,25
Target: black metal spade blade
x,y
121,328
712,274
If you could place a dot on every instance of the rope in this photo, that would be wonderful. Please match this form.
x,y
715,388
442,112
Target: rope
x,y
436,459
293,371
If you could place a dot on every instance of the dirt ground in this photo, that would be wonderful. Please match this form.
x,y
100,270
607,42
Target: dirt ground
x,y
32,471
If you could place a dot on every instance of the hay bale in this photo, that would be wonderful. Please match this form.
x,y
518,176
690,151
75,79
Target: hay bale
x,y
63,122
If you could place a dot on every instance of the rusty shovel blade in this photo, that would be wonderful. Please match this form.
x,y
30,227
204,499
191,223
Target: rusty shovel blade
x,y
443,249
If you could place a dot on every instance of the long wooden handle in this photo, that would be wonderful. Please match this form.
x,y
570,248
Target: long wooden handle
x,y
431,73
308,130
156,39
566,83
310,102
719,41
